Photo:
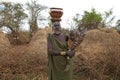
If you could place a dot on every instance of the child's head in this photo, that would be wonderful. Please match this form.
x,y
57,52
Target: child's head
x,y
73,35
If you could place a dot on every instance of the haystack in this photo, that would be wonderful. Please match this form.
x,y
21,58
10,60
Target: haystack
x,y
101,41
100,53
4,43
38,45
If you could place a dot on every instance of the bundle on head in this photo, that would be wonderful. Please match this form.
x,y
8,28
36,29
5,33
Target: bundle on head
x,y
56,14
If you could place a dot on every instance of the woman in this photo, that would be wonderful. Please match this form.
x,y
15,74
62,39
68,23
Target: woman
x,y
57,52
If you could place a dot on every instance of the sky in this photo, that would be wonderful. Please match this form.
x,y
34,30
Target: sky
x,y
72,7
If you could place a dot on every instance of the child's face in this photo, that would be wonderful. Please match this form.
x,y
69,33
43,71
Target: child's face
x,y
72,35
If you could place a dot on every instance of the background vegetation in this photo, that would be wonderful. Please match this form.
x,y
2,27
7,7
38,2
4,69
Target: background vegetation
x,y
23,54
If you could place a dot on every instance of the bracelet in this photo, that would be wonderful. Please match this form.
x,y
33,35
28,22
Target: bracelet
x,y
69,50
63,53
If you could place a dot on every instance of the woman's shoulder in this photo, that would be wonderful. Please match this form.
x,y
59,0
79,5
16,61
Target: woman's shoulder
x,y
65,36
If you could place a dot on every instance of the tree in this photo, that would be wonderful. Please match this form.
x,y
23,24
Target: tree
x,y
94,19
117,27
12,17
108,18
118,23
90,20
74,23
34,11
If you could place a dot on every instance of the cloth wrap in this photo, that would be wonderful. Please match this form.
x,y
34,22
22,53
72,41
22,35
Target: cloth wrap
x,y
56,64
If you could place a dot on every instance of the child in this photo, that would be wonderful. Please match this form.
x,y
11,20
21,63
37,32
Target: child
x,y
71,46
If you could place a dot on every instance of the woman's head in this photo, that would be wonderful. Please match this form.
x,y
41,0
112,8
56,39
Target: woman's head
x,y
56,27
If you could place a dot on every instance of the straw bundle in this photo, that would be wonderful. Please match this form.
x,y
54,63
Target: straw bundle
x,y
100,54
38,45
4,43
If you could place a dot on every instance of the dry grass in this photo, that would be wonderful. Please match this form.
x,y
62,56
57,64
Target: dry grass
x,y
24,62
4,43
38,45
98,57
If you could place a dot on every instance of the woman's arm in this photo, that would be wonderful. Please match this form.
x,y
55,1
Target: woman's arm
x,y
50,50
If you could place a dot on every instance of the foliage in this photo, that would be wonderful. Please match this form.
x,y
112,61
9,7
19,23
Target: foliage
x,y
107,18
94,19
118,23
75,21
117,27
91,19
34,11
12,17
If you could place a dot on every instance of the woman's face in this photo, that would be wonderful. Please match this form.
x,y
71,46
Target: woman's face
x,y
57,27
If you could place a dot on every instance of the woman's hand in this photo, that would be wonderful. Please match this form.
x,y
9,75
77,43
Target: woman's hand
x,y
70,53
